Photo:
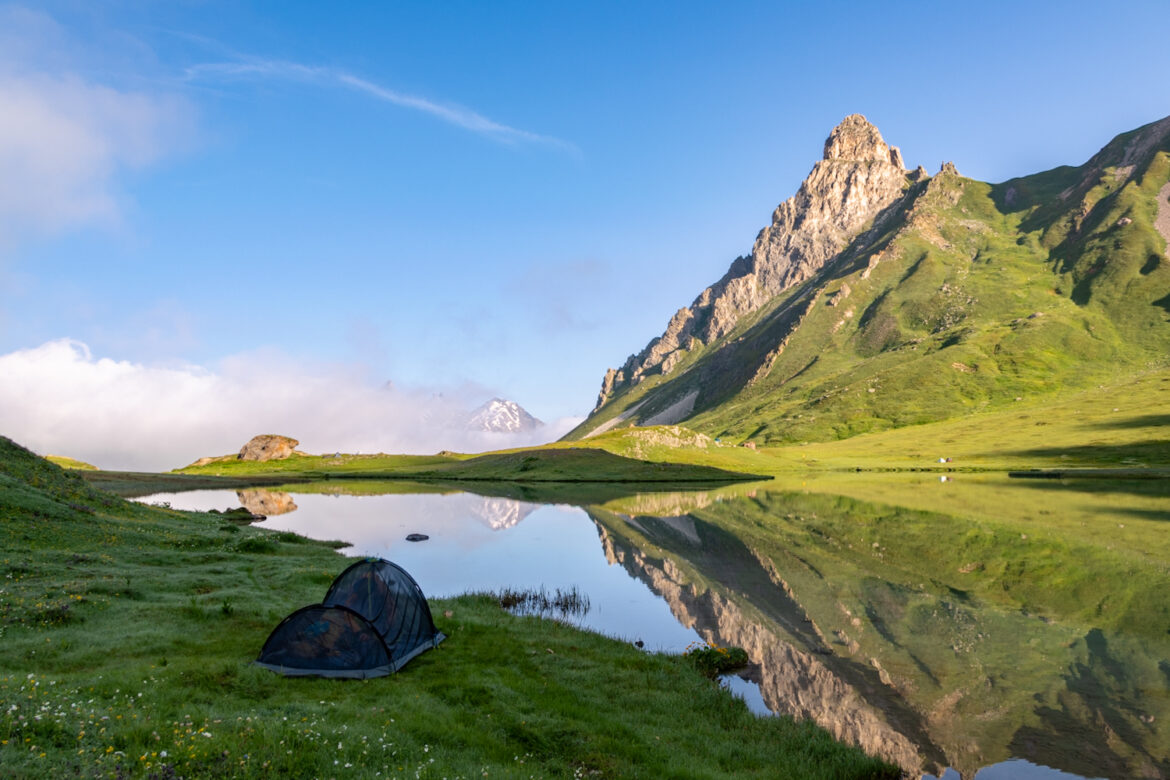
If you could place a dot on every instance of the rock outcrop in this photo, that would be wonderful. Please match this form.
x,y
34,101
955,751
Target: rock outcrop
x,y
268,447
856,183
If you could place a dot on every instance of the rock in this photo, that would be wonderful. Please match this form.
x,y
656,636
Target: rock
x,y
266,502
857,182
417,537
268,447
840,295
1124,221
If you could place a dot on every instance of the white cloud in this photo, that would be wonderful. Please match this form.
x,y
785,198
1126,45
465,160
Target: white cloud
x,y
459,116
64,140
59,399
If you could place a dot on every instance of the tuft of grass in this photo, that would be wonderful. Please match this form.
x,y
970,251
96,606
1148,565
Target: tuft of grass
x,y
713,660
540,603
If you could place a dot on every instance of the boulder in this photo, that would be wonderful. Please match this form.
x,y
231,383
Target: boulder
x,y
268,447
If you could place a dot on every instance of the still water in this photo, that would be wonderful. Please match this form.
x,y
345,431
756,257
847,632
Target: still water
x,y
981,627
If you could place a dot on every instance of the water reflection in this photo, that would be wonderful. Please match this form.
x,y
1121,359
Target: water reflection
x,y
974,628
259,501
477,543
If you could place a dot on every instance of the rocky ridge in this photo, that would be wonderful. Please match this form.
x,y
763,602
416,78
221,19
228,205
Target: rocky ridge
x,y
856,183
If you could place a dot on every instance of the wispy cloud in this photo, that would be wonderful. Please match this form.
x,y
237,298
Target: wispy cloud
x,y
65,140
456,115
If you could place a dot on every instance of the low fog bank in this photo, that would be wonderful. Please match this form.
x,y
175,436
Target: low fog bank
x,y
58,399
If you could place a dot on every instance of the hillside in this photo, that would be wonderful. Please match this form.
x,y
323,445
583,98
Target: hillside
x,y
880,298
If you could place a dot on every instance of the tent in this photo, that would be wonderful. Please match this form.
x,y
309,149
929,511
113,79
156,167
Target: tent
x,y
374,619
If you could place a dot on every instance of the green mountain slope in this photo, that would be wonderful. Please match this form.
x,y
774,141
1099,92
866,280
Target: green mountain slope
x,y
955,296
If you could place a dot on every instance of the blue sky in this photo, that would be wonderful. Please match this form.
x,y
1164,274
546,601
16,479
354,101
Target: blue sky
x,y
471,199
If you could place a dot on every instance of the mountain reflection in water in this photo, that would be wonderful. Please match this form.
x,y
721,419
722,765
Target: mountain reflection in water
x,y
966,625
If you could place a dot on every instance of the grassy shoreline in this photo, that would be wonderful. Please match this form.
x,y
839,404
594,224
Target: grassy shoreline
x,y
1117,429
129,632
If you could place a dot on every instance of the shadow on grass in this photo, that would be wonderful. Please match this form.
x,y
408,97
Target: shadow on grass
x,y
1155,452
1142,421
1151,488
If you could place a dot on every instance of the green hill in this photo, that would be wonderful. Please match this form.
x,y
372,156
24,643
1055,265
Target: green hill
x,y
868,306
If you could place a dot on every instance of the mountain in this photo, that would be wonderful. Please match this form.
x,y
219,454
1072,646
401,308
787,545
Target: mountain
x,y
880,297
502,416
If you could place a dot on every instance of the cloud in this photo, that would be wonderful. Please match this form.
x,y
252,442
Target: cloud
x,y
59,399
456,115
64,140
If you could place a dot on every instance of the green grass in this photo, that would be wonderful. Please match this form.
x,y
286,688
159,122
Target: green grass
x,y
66,462
540,464
128,633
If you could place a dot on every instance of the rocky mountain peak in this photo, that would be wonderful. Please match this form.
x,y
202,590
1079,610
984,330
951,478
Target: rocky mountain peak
x,y
856,140
854,187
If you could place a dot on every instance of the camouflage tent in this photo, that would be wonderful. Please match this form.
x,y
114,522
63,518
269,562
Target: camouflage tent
x,y
374,619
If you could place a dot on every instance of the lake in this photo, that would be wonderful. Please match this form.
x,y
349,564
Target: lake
x,y
975,626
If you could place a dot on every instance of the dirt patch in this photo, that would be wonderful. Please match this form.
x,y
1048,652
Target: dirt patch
x,y
1162,221
609,425
676,411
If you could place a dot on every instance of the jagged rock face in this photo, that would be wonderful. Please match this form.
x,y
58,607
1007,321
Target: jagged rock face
x,y
859,178
502,416
268,447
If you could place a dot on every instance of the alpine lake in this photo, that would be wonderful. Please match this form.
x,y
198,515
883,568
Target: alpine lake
x,y
960,625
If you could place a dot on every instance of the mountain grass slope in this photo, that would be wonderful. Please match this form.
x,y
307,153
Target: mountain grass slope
x,y
961,297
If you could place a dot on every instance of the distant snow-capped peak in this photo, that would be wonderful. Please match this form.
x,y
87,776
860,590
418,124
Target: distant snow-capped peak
x,y
502,416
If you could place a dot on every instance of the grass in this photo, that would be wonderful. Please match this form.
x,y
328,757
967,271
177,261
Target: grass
x,y
66,462
542,464
128,632
561,604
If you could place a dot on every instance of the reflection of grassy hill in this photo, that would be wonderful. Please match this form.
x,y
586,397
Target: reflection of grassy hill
x,y
128,633
1019,616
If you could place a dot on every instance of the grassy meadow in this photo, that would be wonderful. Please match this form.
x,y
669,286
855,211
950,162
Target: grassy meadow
x,y
128,633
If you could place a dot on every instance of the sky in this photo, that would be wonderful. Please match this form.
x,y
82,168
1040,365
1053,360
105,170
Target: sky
x,y
351,222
